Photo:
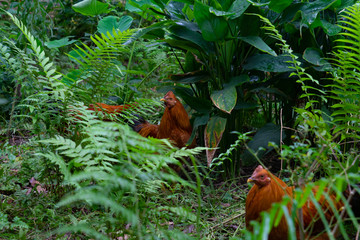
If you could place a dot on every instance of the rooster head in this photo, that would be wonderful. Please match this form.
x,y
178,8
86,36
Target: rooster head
x,y
169,99
260,176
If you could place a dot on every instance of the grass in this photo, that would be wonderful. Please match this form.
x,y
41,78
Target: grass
x,y
28,205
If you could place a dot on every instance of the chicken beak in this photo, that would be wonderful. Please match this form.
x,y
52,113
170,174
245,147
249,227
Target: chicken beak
x,y
250,180
163,99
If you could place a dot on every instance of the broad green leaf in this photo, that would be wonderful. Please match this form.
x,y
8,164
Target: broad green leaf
x,y
257,42
191,36
311,10
220,13
213,134
238,80
314,56
59,43
268,133
183,44
161,3
268,63
279,5
71,78
238,7
213,28
291,13
329,28
144,31
107,24
199,121
341,4
139,6
200,105
259,3
225,99
175,10
191,63
90,7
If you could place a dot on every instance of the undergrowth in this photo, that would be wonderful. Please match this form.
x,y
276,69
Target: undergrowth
x,y
73,176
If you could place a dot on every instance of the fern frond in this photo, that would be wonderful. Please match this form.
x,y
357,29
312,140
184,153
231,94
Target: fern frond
x,y
303,77
346,85
49,79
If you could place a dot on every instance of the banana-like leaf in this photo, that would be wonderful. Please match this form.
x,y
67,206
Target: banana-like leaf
x,y
59,43
90,7
225,99
107,24
213,134
260,143
268,63
193,37
314,56
311,10
213,28
279,5
257,42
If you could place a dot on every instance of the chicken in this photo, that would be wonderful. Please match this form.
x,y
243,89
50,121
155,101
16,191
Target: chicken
x,y
111,109
174,125
269,189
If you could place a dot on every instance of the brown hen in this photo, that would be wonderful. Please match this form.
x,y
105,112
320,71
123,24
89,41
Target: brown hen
x,y
269,189
174,125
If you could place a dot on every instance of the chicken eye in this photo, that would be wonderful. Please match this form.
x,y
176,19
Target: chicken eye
x,y
262,176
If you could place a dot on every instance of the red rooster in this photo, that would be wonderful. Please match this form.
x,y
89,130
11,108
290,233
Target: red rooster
x,y
174,125
269,189
109,108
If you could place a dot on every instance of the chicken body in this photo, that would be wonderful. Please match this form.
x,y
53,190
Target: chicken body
x,y
174,125
108,108
269,189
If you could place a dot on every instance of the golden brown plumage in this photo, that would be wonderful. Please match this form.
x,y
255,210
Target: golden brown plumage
x,y
269,189
174,125
108,108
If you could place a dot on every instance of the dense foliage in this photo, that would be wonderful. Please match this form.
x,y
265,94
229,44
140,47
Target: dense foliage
x,y
265,82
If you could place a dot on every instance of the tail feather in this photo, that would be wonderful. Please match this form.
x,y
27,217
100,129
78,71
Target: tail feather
x,y
148,130
143,127
109,108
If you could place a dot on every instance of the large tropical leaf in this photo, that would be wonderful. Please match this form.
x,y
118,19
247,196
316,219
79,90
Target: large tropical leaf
x,y
259,145
314,56
191,35
59,43
90,7
279,5
257,42
226,98
237,8
268,63
213,134
311,10
213,28
107,24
